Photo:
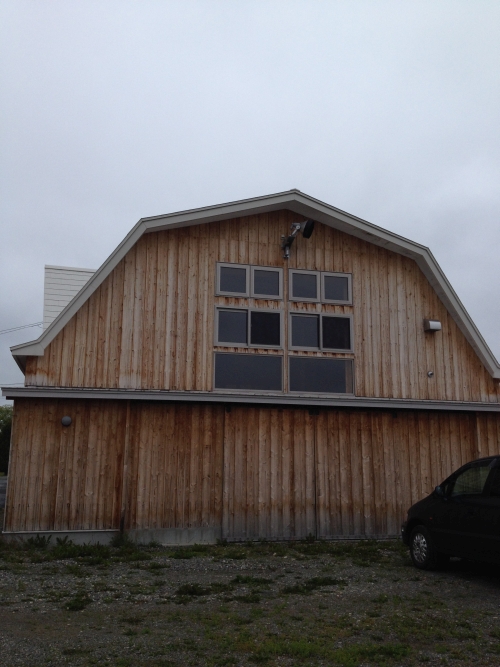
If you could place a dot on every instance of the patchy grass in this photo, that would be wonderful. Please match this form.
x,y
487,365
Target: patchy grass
x,y
353,604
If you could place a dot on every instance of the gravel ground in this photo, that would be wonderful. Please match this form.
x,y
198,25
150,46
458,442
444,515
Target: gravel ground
x,y
314,603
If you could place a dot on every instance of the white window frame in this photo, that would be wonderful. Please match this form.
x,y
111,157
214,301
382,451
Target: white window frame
x,y
321,347
251,391
249,312
325,274
291,272
230,265
268,297
322,393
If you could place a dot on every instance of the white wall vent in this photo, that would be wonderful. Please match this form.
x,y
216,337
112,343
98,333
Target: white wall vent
x,y
61,284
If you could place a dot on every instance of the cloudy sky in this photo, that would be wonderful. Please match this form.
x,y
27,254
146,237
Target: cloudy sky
x,y
115,110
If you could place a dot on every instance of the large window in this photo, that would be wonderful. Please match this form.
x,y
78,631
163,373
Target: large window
x,y
248,338
241,327
320,332
320,286
260,282
262,372
320,375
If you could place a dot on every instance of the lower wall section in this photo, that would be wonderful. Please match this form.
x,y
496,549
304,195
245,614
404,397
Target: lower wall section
x,y
180,474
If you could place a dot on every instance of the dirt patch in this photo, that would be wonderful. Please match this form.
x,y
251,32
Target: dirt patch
x,y
315,603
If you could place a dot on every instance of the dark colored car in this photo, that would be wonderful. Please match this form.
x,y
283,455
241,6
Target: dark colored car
x,y
461,517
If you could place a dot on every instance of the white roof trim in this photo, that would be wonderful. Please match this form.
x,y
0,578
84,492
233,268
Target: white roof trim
x,y
303,205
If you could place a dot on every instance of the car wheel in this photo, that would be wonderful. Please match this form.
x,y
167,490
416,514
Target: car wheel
x,y
422,551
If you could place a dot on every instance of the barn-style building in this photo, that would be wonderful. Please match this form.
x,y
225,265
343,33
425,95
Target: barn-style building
x,y
239,372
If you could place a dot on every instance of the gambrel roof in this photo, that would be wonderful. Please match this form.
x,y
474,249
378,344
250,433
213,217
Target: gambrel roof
x,y
302,205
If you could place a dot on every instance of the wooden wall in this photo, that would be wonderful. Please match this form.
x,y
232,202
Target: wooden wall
x,y
248,472
150,324
65,478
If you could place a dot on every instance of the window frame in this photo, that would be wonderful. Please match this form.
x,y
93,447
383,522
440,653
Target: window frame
x,y
231,265
256,295
291,272
249,310
321,347
321,393
335,274
251,391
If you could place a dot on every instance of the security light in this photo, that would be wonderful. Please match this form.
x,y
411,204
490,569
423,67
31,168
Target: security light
x,y
305,227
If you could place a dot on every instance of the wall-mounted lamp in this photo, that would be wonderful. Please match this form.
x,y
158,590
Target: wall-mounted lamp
x,y
66,421
432,325
306,227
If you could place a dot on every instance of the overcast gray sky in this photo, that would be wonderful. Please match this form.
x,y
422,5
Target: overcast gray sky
x,y
111,111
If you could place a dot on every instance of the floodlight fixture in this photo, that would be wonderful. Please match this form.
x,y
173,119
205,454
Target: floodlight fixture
x,y
306,227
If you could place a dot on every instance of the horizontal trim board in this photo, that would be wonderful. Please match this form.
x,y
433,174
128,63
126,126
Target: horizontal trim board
x,y
246,398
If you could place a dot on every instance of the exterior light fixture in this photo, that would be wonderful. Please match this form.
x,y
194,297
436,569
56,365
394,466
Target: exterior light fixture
x,y
66,421
306,227
432,325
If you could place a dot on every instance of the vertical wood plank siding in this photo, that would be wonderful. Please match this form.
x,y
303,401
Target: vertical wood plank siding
x,y
151,323
251,472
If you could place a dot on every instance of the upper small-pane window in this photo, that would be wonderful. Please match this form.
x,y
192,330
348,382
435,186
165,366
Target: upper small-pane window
x,y
336,287
336,333
305,331
265,328
232,326
304,285
232,279
267,283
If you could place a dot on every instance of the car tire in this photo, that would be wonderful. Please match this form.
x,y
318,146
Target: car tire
x,y
422,551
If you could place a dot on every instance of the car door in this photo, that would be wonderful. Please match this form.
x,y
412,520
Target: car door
x,y
490,517
457,523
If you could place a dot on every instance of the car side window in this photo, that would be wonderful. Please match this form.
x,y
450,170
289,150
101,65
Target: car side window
x,y
471,481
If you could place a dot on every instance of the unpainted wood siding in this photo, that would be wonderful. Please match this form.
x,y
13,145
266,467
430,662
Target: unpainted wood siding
x,y
247,472
175,466
153,464
65,478
150,325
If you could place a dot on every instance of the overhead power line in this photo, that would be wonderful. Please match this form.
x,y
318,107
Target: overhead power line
x,y
24,326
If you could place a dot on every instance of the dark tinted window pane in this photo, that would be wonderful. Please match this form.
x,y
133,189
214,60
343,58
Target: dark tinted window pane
x,y
266,282
248,371
326,375
305,330
337,333
304,286
232,326
233,279
336,288
265,328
